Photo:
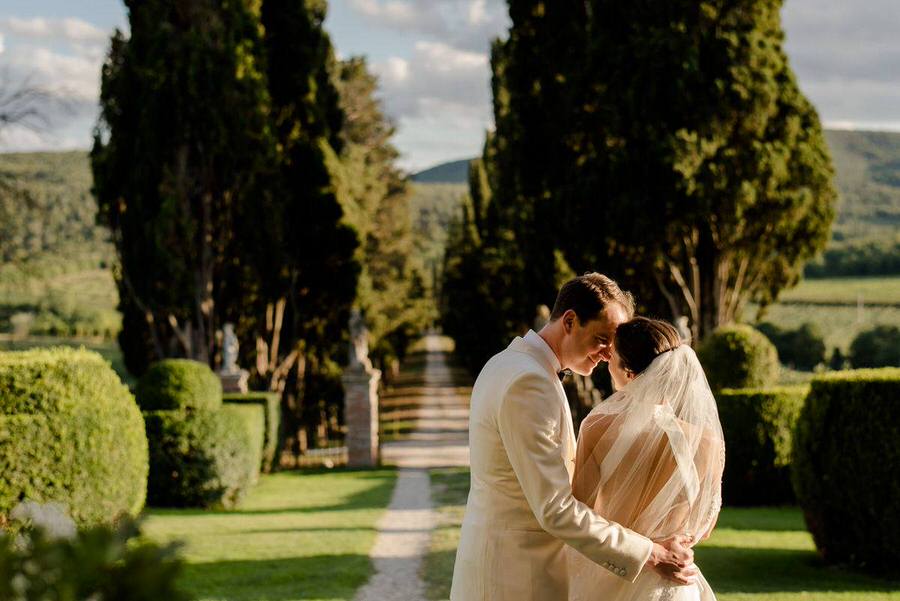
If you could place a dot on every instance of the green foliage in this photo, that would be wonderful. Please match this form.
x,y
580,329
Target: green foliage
x,y
758,427
46,209
738,356
203,458
271,404
803,348
878,347
672,150
846,459
394,285
179,384
98,563
172,220
70,432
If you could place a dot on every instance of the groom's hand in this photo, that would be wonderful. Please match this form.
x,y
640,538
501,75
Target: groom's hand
x,y
673,558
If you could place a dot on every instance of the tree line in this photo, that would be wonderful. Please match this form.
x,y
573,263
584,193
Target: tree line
x,y
667,146
248,176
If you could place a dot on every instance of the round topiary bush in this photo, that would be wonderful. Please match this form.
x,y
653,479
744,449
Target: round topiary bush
x,y
179,384
738,357
802,348
758,426
70,432
878,347
204,458
846,461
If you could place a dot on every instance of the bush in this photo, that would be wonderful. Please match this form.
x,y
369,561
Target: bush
x,y
97,563
271,404
758,427
70,432
203,458
179,384
803,348
878,347
738,357
846,460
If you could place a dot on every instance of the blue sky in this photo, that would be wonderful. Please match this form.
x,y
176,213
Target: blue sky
x,y
432,59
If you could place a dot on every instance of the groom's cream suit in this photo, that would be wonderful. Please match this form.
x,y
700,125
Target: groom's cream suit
x,y
521,511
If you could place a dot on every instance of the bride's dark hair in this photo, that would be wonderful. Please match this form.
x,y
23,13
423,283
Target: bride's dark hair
x,y
640,340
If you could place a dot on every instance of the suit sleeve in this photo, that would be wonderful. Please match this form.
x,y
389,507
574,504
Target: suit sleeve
x,y
529,425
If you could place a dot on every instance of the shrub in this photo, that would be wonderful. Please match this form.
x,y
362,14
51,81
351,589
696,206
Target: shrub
x,y
738,357
203,458
878,347
271,404
803,348
70,432
97,563
846,460
179,384
758,427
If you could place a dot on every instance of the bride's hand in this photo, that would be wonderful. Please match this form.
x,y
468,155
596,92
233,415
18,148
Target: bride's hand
x,y
673,559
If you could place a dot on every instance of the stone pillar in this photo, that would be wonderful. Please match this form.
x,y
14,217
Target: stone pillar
x,y
361,415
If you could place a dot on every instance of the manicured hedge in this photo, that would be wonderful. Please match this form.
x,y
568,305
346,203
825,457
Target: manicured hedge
x,y
179,384
758,427
878,347
70,432
271,404
203,458
738,356
846,462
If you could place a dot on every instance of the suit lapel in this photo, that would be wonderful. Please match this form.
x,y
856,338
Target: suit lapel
x,y
567,428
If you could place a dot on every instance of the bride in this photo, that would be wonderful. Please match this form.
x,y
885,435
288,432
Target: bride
x,y
651,458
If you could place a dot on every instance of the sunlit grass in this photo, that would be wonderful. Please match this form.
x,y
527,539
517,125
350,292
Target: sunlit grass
x,y
755,554
298,536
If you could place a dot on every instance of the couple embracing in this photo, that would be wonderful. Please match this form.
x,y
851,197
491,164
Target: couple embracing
x,y
614,516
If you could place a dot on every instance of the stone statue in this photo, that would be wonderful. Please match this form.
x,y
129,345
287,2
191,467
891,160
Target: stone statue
x,y
682,324
233,378
359,343
229,350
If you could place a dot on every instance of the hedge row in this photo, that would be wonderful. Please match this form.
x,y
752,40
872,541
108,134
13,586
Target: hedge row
x,y
271,404
70,432
205,458
846,461
758,427
202,453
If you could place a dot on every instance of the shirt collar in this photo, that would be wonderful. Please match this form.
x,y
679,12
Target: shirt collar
x,y
534,340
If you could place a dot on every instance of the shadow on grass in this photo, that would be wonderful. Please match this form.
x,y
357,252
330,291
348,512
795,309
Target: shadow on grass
x,y
747,570
768,519
285,579
374,497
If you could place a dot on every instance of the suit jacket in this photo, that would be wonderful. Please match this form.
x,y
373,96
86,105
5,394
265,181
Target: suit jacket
x,y
520,512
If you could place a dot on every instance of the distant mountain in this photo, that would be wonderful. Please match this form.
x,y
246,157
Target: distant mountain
x,y
868,178
455,172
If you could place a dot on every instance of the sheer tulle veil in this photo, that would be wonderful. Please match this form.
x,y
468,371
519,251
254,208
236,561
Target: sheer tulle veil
x,y
651,456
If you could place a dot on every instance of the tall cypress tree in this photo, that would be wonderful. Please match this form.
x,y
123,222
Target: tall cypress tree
x,y
181,140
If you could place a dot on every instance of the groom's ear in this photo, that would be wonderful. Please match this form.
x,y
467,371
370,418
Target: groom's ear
x,y
568,320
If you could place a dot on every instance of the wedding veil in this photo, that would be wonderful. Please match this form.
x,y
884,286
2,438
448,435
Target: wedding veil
x,y
651,456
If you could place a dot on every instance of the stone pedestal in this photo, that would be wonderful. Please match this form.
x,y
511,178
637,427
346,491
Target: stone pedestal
x,y
361,415
234,381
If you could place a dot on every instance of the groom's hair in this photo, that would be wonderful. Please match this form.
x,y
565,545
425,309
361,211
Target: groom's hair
x,y
588,295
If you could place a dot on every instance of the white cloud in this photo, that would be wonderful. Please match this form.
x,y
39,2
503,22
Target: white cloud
x,y
436,77
69,29
466,24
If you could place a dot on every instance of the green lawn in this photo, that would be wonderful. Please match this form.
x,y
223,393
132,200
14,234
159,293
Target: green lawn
x,y
757,554
847,291
298,536
839,325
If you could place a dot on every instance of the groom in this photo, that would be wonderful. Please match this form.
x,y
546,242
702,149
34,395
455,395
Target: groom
x,y
520,512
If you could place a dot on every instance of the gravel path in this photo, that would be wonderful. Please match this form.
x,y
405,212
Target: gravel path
x,y
439,440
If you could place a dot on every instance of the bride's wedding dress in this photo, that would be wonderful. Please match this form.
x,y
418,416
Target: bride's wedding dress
x,y
651,458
